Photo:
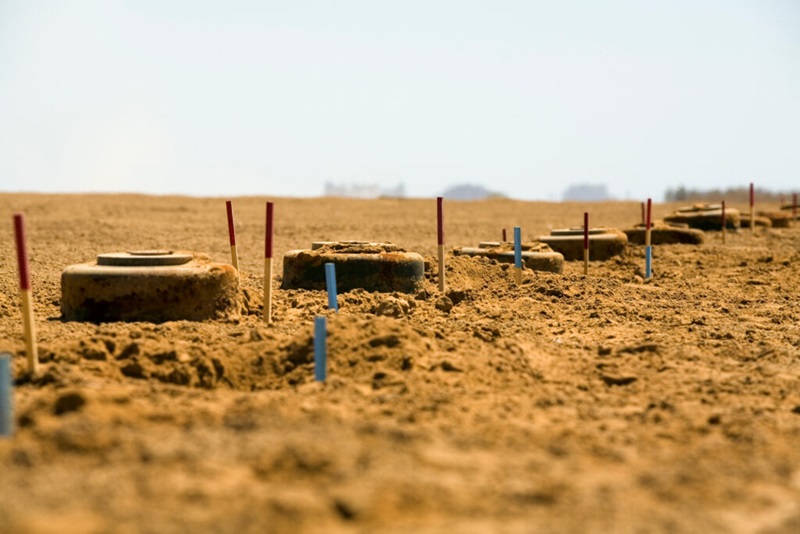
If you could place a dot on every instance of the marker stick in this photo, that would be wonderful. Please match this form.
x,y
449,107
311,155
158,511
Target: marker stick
x,y
232,237
752,208
440,236
28,324
320,349
505,240
724,223
6,397
518,254
586,243
268,267
330,282
648,222
648,262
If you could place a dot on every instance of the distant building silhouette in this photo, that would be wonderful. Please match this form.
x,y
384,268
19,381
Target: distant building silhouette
x,y
469,192
586,193
363,191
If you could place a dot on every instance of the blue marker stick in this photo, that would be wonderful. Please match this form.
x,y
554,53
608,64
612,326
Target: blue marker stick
x,y
320,349
330,280
648,262
518,253
6,406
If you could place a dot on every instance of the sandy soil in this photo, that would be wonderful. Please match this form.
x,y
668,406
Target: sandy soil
x,y
568,404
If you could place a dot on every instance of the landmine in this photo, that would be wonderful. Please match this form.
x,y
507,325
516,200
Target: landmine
x,y
149,285
763,222
604,243
380,267
778,219
705,217
662,233
535,256
790,207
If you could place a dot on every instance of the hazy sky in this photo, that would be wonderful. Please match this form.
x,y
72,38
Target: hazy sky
x,y
278,97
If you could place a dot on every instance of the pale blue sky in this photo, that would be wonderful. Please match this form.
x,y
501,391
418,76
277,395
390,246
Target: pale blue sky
x,y
276,98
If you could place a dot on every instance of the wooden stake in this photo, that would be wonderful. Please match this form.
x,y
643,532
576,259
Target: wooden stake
x,y
724,223
268,267
232,238
648,222
28,324
586,244
752,209
518,255
440,238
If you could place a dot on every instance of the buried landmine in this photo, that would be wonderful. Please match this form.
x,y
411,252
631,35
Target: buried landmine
x,y
535,256
151,285
662,233
604,243
382,267
705,217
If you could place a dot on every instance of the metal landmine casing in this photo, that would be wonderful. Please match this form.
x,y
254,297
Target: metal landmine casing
x,y
779,219
150,285
705,217
535,256
604,243
666,234
359,264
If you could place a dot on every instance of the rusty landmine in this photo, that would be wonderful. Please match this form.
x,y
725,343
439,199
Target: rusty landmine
x,y
535,256
665,234
779,219
705,216
604,243
154,286
359,264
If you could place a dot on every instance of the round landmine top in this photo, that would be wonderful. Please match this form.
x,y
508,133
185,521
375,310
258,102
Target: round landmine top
x,y
703,206
143,258
579,231
359,264
354,247
532,247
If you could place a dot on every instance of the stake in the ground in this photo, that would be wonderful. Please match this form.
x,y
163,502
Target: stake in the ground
x,y
320,349
330,282
648,249
440,238
505,240
724,223
29,327
518,255
586,243
752,208
232,237
268,268
6,397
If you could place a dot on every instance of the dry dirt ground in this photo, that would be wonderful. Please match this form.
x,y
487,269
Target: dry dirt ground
x,y
568,404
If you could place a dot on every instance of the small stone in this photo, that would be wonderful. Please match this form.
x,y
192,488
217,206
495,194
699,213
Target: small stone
x,y
444,303
392,307
69,402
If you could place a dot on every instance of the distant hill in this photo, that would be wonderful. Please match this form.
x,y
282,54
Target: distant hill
x,y
586,193
470,192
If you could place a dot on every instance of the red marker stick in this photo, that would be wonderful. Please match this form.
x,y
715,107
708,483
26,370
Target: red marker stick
x,y
586,243
504,236
724,223
648,221
752,208
28,324
440,238
268,267
232,237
